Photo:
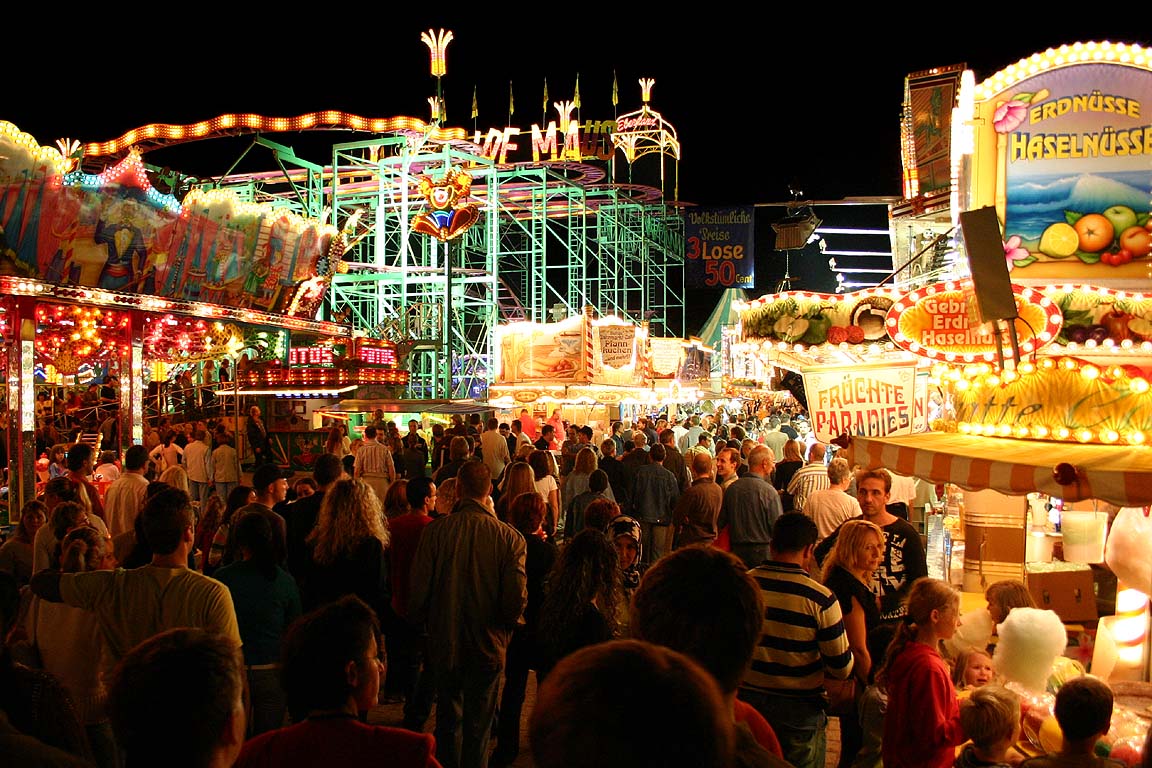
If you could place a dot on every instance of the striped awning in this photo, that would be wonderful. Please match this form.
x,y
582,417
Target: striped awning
x,y
1120,475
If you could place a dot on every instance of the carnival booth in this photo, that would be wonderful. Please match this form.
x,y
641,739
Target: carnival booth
x,y
108,275
1012,366
583,369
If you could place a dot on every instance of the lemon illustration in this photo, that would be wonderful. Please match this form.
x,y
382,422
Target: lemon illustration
x,y
1059,241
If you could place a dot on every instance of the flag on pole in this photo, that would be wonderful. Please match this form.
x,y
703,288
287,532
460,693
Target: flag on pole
x,y
511,104
615,90
576,96
475,105
545,95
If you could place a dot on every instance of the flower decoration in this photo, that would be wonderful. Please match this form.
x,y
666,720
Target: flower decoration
x,y
1009,115
1015,253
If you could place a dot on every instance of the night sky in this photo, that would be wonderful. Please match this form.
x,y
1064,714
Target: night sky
x,y
763,101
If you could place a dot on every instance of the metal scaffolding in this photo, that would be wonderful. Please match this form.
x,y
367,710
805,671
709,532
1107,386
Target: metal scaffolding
x,y
551,237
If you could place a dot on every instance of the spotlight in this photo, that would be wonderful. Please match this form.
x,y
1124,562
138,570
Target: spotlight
x,y
794,230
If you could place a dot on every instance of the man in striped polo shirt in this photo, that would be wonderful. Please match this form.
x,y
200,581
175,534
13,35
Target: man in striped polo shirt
x,y
810,478
802,640
374,464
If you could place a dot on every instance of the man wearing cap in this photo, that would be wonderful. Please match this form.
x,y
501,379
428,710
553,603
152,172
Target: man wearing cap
x,y
270,485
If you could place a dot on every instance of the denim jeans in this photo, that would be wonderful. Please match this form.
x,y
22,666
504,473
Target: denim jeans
x,y
465,710
799,723
655,543
751,554
223,489
199,491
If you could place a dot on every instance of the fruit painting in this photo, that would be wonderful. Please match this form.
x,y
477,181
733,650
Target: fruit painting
x,y
1073,144
1115,236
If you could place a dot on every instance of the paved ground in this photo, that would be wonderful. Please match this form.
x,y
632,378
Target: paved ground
x,y
392,714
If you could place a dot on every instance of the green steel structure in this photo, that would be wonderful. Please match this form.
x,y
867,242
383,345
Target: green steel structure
x,y
551,239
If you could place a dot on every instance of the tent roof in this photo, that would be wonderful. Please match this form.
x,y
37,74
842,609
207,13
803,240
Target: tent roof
x,y
721,316
1119,474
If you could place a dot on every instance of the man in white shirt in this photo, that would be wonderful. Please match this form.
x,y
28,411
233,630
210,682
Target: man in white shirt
x,y
810,478
494,448
198,465
125,496
374,464
828,507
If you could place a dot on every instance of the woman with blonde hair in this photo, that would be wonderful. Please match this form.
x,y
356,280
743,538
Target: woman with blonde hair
x,y
576,481
177,477
346,548
446,497
848,573
922,725
68,641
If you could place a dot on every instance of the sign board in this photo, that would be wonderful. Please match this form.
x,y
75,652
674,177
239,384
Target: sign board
x,y
531,352
938,322
1061,144
720,248
667,355
620,353
875,401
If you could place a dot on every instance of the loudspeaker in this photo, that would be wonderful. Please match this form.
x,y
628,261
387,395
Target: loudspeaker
x,y
984,243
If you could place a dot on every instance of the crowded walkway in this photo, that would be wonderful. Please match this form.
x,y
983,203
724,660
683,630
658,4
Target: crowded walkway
x,y
380,521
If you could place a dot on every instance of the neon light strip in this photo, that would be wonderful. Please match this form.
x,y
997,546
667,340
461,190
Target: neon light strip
x,y
255,123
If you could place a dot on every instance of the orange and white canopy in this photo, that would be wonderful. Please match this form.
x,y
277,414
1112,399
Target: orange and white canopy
x,y
1120,475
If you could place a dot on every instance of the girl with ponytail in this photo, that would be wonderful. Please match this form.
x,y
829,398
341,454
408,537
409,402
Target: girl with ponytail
x,y
922,724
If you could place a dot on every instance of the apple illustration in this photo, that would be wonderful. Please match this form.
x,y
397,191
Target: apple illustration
x,y
1136,240
1121,217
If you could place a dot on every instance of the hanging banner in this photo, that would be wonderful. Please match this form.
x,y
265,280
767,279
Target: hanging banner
x,y
720,248
666,357
620,354
868,401
542,351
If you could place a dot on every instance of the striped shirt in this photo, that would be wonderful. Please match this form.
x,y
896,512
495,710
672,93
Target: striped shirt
x,y
374,458
803,634
810,478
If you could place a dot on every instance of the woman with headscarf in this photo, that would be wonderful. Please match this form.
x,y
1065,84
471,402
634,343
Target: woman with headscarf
x,y
624,533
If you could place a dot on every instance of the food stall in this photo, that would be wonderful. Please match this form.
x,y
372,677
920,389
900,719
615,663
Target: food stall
x,y
1037,419
592,370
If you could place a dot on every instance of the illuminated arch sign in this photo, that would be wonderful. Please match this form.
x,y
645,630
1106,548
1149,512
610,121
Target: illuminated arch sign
x,y
1061,144
936,323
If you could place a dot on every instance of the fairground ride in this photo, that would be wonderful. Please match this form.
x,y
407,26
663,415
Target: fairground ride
x,y
552,236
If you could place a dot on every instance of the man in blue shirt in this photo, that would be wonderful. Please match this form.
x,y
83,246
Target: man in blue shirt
x,y
750,509
653,495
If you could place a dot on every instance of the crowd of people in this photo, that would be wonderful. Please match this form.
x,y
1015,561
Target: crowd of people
x,y
668,578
